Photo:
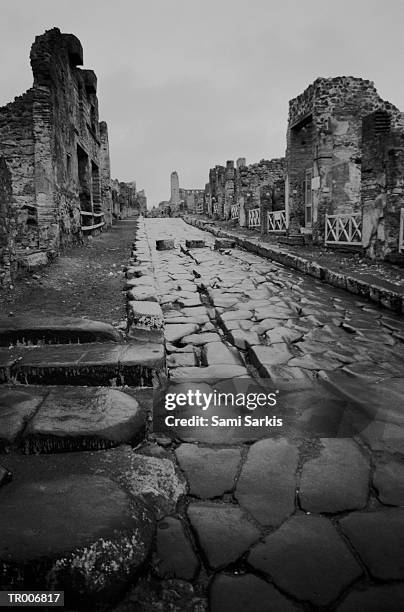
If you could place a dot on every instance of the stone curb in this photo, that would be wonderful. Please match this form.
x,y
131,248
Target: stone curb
x,y
374,293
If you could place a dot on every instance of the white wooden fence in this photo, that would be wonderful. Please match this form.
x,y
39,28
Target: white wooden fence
x,y
254,218
235,211
277,221
343,229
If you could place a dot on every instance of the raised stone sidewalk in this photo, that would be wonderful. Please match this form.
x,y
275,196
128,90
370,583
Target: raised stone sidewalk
x,y
377,290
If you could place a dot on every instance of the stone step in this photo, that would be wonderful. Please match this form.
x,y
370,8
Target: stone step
x,y
30,330
37,419
111,364
78,522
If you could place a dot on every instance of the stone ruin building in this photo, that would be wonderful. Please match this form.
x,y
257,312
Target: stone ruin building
x,y
341,182
248,194
181,200
54,158
382,185
126,199
324,157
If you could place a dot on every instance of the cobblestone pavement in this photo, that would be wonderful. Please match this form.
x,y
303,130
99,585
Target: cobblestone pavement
x,y
308,515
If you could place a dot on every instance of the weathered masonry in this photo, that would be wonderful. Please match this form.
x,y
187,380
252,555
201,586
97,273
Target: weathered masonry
x,y
324,157
57,154
341,183
126,199
248,194
382,193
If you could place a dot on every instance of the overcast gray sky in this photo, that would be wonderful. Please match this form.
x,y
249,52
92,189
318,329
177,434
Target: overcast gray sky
x,y
187,84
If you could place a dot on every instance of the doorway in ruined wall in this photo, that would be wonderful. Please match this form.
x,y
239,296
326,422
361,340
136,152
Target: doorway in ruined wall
x,y
308,198
84,187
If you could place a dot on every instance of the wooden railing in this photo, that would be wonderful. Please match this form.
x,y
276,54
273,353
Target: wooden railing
x,y
277,221
97,220
343,229
254,218
235,211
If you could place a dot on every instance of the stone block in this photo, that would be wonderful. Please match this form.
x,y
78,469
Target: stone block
x,y
145,315
164,245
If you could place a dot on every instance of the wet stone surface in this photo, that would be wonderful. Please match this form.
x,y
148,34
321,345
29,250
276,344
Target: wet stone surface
x,y
304,515
281,518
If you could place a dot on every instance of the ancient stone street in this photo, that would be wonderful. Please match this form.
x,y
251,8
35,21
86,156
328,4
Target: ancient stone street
x,y
295,503
291,517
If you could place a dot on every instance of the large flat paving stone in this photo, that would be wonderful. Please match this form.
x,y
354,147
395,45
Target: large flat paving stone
x,y
307,558
246,593
174,556
81,534
210,374
223,531
388,598
378,538
201,338
176,331
337,480
17,407
210,472
134,364
388,480
84,418
267,484
264,357
217,353
153,480
54,330
381,400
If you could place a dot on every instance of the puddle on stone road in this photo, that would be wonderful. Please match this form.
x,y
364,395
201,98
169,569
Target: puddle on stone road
x,y
241,410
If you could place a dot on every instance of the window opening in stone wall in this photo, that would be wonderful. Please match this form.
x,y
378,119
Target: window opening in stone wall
x,y
382,121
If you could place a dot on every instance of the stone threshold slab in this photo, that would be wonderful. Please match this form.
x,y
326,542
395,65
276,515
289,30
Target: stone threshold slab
x,y
54,330
111,364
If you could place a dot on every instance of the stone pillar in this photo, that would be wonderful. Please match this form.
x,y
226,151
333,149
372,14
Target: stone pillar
x,y
105,175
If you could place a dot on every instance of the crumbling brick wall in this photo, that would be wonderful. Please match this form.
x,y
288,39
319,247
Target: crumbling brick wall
x,y
324,141
7,225
382,195
126,201
51,139
17,148
261,185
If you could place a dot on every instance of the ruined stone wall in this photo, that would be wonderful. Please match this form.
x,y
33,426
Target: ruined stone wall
x,y
382,197
55,150
8,225
260,185
17,148
67,140
192,198
126,201
325,137
217,190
